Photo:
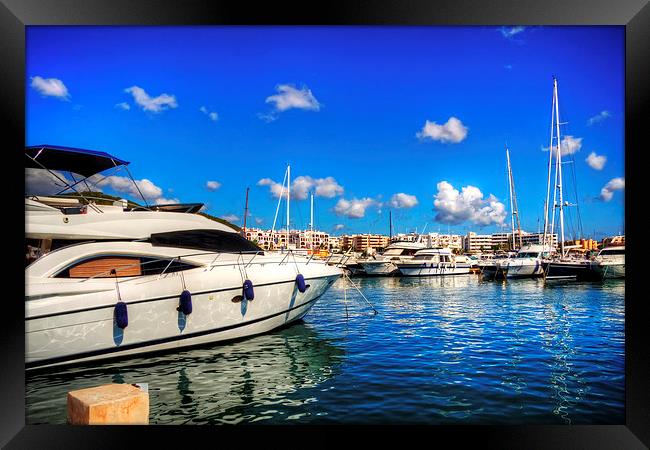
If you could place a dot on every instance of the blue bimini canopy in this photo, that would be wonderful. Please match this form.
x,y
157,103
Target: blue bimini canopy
x,y
68,159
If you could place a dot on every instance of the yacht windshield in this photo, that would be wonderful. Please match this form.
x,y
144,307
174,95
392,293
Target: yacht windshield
x,y
607,252
210,240
527,255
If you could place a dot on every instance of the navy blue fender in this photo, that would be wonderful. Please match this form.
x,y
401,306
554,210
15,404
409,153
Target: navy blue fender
x,y
249,294
185,303
121,315
300,281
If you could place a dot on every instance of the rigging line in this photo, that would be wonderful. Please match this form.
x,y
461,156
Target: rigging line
x,y
137,187
279,201
64,182
359,291
575,186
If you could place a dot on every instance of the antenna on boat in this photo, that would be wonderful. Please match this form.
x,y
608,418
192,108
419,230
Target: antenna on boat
x,y
246,210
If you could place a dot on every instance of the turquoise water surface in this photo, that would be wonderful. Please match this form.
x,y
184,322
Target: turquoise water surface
x,y
441,350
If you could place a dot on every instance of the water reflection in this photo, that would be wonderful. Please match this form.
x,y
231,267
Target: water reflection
x,y
441,350
229,383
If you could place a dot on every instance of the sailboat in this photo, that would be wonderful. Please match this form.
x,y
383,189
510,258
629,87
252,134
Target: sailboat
x,y
527,263
560,266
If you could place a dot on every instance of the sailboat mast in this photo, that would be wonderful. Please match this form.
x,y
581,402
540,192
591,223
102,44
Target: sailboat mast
x,y
390,224
515,211
548,183
559,166
288,200
512,215
311,223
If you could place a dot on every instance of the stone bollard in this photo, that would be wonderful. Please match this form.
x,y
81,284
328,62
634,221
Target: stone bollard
x,y
110,404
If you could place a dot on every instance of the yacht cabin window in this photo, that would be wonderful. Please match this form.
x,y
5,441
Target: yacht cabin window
x,y
124,266
527,255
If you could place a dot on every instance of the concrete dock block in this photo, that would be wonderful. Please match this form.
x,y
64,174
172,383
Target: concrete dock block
x,y
110,404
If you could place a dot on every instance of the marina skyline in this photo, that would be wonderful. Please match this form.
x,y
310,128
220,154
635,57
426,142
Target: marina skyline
x,y
370,119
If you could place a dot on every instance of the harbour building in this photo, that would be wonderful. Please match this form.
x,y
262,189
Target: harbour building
x,y
298,239
475,243
363,242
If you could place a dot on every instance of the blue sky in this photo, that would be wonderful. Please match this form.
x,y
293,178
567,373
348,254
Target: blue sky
x,y
363,114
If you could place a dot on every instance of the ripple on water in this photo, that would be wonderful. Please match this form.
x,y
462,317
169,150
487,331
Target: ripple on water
x,y
441,350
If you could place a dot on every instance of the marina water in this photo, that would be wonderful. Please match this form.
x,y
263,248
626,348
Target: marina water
x,y
441,350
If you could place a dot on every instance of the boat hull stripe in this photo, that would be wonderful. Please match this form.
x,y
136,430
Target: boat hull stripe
x,y
61,359
135,302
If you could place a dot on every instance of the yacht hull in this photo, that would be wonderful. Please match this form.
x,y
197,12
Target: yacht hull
x,y
607,271
379,268
526,269
560,270
433,269
155,324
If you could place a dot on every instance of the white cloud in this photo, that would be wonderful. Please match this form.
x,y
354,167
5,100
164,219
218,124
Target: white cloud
x,y
453,131
274,187
569,145
124,185
300,187
355,208
595,161
230,218
212,115
166,201
42,182
153,104
454,207
51,87
338,227
259,221
123,106
212,185
598,117
327,187
402,200
289,97
615,184
510,32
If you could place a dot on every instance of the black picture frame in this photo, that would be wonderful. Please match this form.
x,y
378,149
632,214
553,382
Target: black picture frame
x,y
15,15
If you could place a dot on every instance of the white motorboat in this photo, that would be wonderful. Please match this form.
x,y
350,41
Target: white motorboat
x,y
609,263
111,281
433,261
527,263
385,264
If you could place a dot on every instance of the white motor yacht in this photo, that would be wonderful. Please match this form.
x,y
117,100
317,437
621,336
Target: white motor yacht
x,y
609,263
386,263
433,261
526,264
112,281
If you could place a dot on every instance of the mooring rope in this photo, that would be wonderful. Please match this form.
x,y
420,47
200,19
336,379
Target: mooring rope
x,y
359,291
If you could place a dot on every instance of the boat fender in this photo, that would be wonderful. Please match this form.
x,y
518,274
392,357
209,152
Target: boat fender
x,y
185,303
121,315
248,290
300,281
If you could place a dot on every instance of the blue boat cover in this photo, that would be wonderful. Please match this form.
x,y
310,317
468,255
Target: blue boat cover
x,y
69,159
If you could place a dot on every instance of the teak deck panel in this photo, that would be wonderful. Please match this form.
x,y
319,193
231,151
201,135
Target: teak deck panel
x,y
101,268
